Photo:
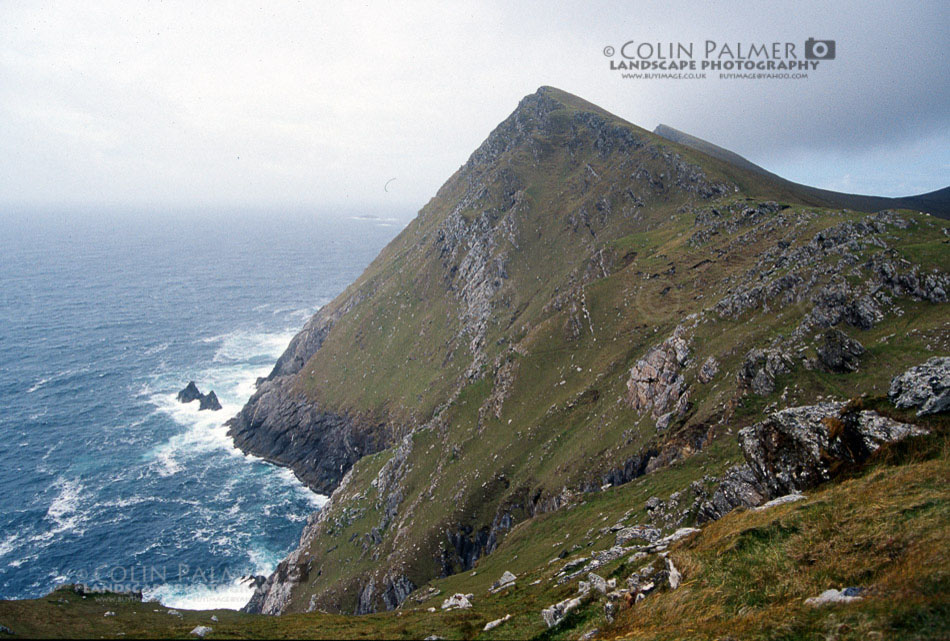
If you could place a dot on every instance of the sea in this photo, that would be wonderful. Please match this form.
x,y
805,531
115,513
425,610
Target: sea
x,y
107,480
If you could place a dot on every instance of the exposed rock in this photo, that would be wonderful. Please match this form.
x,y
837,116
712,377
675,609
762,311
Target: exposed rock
x,y
675,577
925,386
457,601
644,532
174,613
835,596
656,382
201,631
189,393
760,368
109,614
739,487
782,500
209,402
491,625
283,426
554,614
507,580
796,448
838,352
709,370
597,582
837,302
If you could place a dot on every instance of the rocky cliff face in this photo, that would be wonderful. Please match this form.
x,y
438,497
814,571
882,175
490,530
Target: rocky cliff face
x,y
580,305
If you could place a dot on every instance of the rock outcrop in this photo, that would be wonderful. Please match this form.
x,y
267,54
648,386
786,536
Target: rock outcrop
x,y
207,401
760,368
800,447
838,352
926,387
656,382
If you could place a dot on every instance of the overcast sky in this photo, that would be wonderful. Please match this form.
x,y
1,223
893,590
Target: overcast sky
x,y
317,105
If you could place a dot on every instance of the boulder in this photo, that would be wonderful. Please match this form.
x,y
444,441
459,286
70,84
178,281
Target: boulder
x,y
491,625
201,631
798,448
507,580
554,614
838,352
457,601
926,387
597,582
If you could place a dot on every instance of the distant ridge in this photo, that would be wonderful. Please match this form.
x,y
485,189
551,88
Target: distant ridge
x,y
935,202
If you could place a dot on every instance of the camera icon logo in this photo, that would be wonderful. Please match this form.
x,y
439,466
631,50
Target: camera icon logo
x,y
819,49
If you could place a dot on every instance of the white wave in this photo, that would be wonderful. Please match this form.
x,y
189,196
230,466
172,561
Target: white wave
x,y
63,511
8,545
316,500
242,345
38,384
156,349
202,596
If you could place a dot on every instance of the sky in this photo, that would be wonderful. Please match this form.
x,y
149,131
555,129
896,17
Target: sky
x,y
371,106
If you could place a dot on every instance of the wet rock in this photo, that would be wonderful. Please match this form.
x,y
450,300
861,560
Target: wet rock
x,y
209,402
838,352
189,393
760,368
926,387
797,448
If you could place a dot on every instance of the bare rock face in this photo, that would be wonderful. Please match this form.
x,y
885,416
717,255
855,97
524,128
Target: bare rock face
x,y
926,387
839,352
739,487
656,382
798,448
709,370
760,368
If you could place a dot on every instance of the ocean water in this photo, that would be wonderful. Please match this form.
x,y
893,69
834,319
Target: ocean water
x,y
105,478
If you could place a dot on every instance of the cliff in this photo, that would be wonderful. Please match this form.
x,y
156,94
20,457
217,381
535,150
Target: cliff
x,y
582,304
